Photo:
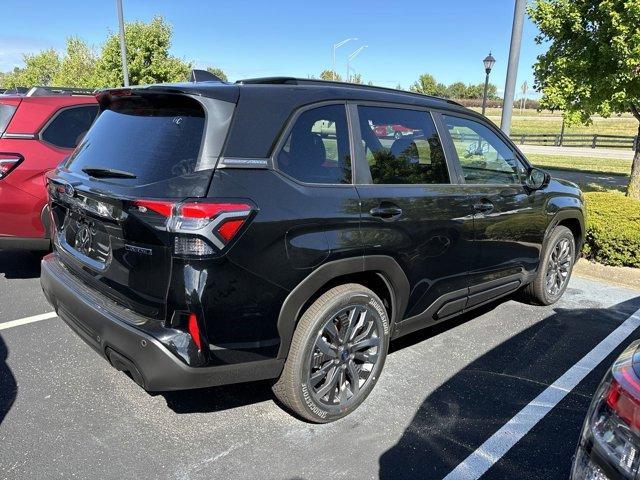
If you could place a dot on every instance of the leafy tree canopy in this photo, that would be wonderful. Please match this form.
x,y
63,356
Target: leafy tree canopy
x,y
39,69
77,66
218,72
427,85
148,57
592,65
330,75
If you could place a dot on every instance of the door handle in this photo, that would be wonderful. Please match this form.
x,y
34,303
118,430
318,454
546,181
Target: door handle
x,y
386,213
483,206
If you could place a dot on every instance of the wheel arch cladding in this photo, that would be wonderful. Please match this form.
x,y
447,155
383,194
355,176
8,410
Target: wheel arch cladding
x,y
572,219
380,273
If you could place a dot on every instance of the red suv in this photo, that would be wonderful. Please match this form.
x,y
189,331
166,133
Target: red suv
x,y
37,130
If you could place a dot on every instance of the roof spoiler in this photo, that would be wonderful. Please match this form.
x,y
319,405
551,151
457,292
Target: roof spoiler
x,y
203,76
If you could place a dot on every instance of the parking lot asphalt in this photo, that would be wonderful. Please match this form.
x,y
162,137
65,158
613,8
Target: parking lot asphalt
x,y
65,413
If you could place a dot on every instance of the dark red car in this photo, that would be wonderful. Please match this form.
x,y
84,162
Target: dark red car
x,y
37,131
391,131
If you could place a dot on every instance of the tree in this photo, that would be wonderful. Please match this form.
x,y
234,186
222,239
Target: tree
x,y
77,68
148,56
427,85
39,70
330,75
457,90
592,66
218,72
357,78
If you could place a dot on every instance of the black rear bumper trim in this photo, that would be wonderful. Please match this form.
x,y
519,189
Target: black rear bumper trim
x,y
156,368
25,243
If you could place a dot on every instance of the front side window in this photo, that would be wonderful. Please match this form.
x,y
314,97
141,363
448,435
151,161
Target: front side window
x,y
69,126
317,149
402,146
484,157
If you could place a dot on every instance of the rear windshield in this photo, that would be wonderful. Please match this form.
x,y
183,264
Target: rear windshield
x,y
6,112
153,137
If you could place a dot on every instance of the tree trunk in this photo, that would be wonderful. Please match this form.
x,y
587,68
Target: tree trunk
x,y
634,181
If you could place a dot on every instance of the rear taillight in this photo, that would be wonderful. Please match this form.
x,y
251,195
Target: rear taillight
x,y
200,226
8,162
610,443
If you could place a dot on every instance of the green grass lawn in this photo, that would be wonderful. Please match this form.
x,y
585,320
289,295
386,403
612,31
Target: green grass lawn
x,y
531,121
583,164
600,126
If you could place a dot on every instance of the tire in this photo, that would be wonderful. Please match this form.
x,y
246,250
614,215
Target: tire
x,y
320,359
555,256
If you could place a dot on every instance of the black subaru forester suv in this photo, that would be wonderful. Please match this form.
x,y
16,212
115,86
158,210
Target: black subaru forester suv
x,y
211,233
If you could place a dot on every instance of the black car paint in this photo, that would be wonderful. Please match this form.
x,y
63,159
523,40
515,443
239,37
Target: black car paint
x,y
440,257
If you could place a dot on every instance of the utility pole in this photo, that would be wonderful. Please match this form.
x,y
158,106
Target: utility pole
x,y
123,47
512,69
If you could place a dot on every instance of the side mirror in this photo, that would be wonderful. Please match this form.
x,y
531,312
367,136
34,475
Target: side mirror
x,y
537,179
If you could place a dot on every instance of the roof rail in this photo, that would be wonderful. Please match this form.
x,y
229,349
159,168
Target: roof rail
x,y
315,81
49,91
15,91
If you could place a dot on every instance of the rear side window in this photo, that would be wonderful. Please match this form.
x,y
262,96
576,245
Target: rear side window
x,y
317,149
68,126
402,146
153,137
6,113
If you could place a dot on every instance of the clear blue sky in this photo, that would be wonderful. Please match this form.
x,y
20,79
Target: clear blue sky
x,y
448,39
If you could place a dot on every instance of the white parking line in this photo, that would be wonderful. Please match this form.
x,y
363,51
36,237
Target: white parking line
x,y
26,320
477,464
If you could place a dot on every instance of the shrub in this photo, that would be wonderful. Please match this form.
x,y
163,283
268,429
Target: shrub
x,y
613,231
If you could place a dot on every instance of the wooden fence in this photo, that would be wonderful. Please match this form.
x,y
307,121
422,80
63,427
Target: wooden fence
x,y
576,140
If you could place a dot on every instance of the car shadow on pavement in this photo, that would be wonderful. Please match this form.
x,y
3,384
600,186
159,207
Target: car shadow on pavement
x,y
20,264
8,386
456,418
215,399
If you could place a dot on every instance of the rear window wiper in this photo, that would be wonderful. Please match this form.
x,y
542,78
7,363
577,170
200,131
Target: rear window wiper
x,y
101,172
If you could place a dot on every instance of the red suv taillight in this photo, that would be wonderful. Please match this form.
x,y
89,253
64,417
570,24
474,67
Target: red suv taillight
x,y
198,224
8,162
610,443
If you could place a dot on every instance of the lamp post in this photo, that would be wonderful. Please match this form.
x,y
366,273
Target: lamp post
x,y
352,56
489,61
335,47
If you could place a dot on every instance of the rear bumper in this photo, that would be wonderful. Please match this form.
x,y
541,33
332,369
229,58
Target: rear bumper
x,y
22,243
112,333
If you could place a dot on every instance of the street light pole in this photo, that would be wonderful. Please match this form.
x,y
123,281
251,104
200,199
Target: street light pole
x,y
489,61
512,69
335,47
123,48
352,56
